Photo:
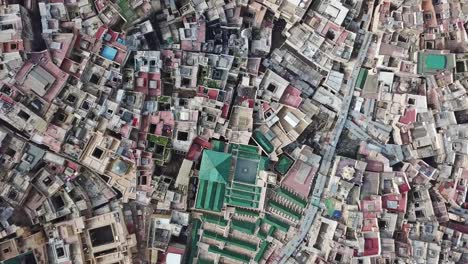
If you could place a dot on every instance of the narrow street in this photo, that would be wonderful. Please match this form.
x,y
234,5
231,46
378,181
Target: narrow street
x,y
325,164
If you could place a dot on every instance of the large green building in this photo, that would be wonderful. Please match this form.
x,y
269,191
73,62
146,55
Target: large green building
x,y
215,169
229,178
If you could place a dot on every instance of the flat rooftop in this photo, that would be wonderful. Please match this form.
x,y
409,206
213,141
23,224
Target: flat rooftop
x,y
435,62
101,236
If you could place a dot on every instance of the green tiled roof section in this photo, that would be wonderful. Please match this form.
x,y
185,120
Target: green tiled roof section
x,y
264,162
272,230
247,188
291,197
248,149
215,166
205,261
275,222
249,156
244,195
258,223
263,248
214,219
196,224
210,190
263,142
245,212
218,145
243,226
248,152
261,234
219,197
230,240
201,194
283,164
362,76
241,202
229,254
210,195
435,61
285,210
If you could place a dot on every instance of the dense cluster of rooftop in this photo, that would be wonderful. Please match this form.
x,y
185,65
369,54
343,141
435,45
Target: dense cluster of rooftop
x,y
261,131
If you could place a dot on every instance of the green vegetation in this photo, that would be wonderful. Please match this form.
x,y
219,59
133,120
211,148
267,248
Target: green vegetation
x,y
127,11
164,99
212,84
163,141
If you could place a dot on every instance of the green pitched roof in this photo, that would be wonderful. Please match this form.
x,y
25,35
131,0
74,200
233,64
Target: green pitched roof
x,y
215,166
210,195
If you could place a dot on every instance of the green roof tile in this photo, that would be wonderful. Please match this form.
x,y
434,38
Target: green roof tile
x,y
272,230
291,197
194,237
205,261
263,248
218,145
215,166
210,195
243,226
214,174
435,62
264,163
229,254
285,210
244,195
275,222
230,240
262,235
244,187
214,219
362,76
242,211
263,142
241,202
